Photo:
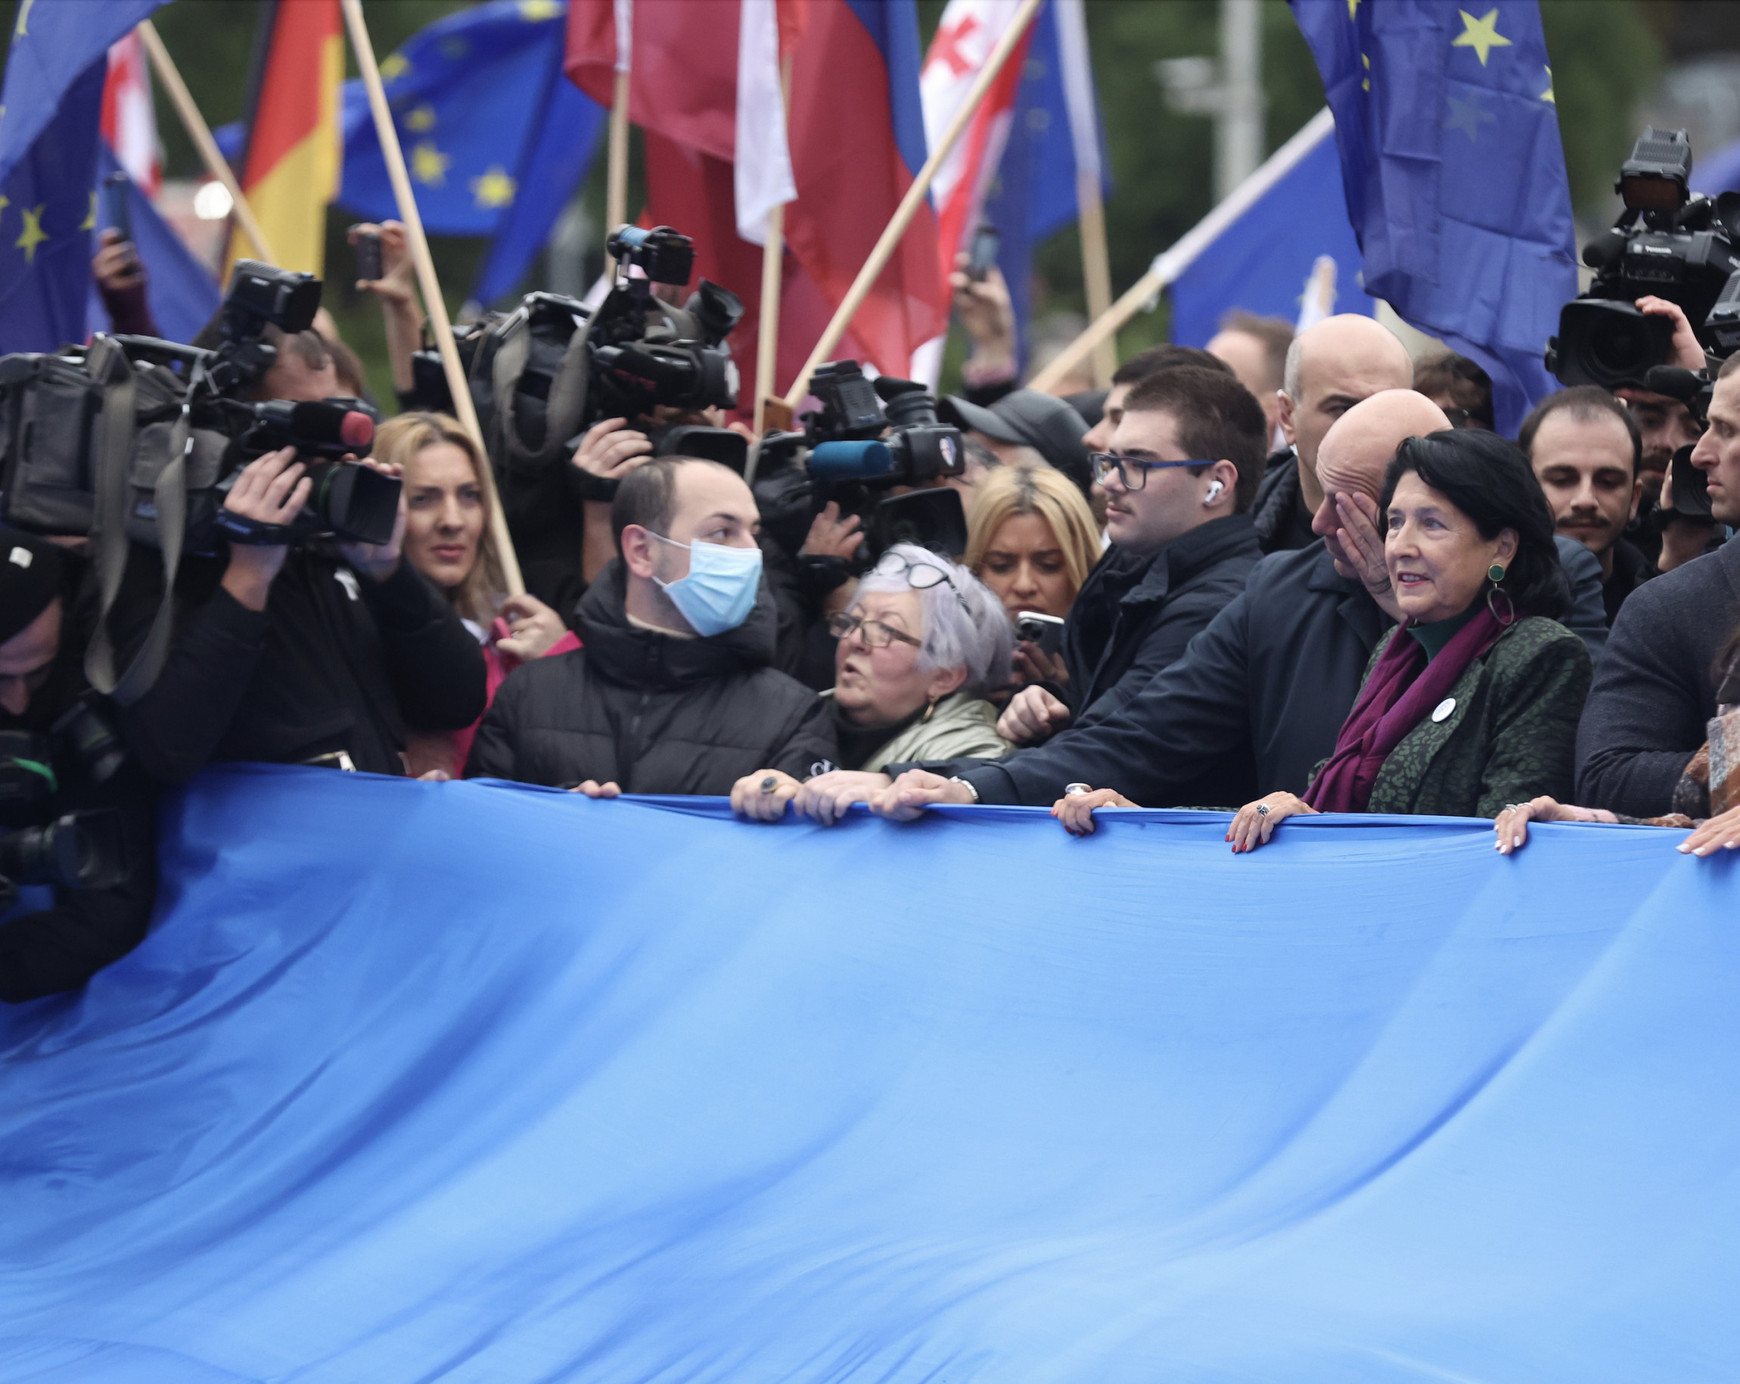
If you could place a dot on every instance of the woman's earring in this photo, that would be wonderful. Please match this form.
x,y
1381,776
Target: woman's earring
x,y
929,711
1495,574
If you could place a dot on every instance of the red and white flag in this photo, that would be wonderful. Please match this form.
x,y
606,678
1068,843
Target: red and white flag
x,y
969,31
129,124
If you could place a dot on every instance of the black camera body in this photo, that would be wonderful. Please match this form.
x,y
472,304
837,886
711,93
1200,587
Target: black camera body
x,y
345,501
79,850
867,438
1667,243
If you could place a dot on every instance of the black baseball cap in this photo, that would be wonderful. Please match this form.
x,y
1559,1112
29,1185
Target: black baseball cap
x,y
1029,418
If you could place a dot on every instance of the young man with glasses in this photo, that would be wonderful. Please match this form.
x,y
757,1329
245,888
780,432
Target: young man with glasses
x,y
1184,463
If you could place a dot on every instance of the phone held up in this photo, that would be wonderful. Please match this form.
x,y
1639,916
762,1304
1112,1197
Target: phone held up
x,y
1045,632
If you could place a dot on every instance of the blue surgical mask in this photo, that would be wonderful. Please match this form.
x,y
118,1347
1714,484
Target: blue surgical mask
x,y
721,587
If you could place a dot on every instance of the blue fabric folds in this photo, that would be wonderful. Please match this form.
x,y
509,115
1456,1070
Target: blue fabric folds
x,y
467,1082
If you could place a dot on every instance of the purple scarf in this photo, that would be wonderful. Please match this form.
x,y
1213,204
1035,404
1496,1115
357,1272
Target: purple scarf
x,y
1396,697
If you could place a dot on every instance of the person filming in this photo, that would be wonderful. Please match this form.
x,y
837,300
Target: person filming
x,y
65,779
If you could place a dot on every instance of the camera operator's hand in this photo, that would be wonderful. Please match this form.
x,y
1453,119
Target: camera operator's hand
x,y
270,490
988,315
378,561
116,267
832,536
1032,715
611,449
535,627
1686,352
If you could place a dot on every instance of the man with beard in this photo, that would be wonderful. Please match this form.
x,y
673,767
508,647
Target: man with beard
x,y
1587,451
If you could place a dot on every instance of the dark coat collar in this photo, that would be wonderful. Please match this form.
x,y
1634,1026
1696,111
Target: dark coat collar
x,y
645,658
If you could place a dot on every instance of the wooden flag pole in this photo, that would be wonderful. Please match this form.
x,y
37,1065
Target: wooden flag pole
x,y
616,172
903,214
1173,262
426,280
1096,267
772,275
200,133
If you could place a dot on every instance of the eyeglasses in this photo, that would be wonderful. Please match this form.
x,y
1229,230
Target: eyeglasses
x,y
1132,472
874,633
920,576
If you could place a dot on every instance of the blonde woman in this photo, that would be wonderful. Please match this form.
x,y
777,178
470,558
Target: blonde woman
x,y
1031,538
448,540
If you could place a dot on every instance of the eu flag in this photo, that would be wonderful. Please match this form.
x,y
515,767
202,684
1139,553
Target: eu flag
x,y
1454,173
49,115
495,135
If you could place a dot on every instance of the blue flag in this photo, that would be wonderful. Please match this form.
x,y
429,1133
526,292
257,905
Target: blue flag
x,y
496,137
50,110
1261,262
1454,173
1034,194
422,1083
182,293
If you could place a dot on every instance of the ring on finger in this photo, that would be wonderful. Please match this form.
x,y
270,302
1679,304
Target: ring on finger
x,y
1262,809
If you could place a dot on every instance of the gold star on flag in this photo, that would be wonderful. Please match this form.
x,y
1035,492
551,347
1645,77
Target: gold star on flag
x,y
4,203
421,119
454,48
429,165
1481,34
23,15
532,11
1547,95
494,188
1365,83
394,67
33,234
1352,8
90,221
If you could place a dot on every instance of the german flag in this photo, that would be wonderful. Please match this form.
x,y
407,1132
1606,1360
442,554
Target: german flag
x,y
291,168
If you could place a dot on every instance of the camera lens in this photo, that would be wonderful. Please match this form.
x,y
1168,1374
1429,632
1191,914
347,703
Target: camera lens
x,y
1621,347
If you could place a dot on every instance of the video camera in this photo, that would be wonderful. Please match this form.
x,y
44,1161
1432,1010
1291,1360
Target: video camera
x,y
866,438
1667,242
82,850
544,373
187,404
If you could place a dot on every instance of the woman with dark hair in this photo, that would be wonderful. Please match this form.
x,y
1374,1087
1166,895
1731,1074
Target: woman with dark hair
x,y
1472,703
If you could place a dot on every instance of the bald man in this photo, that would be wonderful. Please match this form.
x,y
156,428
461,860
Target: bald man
x,y
1330,367
1259,696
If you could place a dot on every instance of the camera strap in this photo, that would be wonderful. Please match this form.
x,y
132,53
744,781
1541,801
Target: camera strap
x,y
113,439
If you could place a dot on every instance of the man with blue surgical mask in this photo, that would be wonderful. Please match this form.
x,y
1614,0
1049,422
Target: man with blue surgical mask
x,y
674,689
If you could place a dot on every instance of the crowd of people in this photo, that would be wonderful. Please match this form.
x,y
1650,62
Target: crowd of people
x,y
1287,574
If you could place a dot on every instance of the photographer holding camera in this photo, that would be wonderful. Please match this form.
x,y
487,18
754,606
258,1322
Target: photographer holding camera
x,y
77,818
298,636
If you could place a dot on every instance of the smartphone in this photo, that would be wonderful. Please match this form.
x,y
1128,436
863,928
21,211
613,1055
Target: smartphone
x,y
366,249
116,186
1043,631
982,253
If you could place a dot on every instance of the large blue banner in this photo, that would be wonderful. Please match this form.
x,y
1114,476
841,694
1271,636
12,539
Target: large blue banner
x,y
421,1082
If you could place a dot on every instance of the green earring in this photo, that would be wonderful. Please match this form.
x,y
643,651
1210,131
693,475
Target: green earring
x,y
1495,574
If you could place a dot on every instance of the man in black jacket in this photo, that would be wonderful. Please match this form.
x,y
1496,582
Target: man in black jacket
x,y
1191,445
1657,685
58,756
294,655
674,690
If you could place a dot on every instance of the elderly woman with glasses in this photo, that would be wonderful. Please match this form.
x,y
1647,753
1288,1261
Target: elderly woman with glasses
x,y
919,646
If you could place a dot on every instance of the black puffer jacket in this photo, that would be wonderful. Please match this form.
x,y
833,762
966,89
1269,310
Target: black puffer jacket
x,y
652,713
1134,614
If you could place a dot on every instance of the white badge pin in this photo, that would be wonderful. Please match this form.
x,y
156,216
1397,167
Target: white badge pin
x,y
1442,711
22,557
347,579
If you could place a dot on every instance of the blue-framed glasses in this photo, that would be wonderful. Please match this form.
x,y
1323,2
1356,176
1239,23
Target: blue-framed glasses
x,y
1132,472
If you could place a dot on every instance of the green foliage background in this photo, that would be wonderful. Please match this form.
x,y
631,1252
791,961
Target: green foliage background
x,y
1606,57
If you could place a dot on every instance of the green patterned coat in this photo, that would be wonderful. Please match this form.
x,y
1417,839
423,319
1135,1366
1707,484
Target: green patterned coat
x,y
1510,735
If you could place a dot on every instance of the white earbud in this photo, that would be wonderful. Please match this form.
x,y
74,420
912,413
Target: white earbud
x,y
1214,489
